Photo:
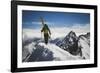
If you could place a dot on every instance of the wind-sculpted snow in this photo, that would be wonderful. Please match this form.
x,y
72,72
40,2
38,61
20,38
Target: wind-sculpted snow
x,y
84,43
27,50
58,53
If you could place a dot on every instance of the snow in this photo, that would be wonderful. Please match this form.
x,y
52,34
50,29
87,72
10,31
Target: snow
x,y
30,47
58,53
85,48
28,50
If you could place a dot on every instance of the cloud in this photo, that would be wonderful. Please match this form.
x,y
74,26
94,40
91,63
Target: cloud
x,y
57,31
38,23
63,31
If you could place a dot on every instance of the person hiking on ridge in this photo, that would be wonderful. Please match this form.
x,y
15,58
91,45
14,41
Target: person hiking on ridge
x,y
46,32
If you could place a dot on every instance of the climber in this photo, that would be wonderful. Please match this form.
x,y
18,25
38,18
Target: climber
x,y
46,32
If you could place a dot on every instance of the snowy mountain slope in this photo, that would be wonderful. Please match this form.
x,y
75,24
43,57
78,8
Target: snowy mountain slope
x,y
50,52
70,47
58,53
84,43
27,51
76,45
70,43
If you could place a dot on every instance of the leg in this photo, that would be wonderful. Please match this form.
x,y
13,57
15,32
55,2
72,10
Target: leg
x,y
46,38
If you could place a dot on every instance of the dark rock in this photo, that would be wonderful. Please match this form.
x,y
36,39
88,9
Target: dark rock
x,y
70,43
41,54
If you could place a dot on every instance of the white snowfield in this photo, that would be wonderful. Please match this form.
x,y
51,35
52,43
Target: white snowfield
x,y
85,48
58,53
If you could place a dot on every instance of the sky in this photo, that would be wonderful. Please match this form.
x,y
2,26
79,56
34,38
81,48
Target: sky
x,y
60,23
31,19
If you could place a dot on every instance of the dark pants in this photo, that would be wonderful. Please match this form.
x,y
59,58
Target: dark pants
x,y
46,37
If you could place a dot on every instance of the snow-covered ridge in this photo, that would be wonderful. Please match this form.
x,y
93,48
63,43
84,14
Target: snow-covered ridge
x,y
70,47
59,53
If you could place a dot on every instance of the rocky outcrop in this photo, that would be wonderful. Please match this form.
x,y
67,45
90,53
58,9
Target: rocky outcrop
x,y
76,45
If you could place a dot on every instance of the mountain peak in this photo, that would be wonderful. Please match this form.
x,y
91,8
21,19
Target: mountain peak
x,y
72,34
